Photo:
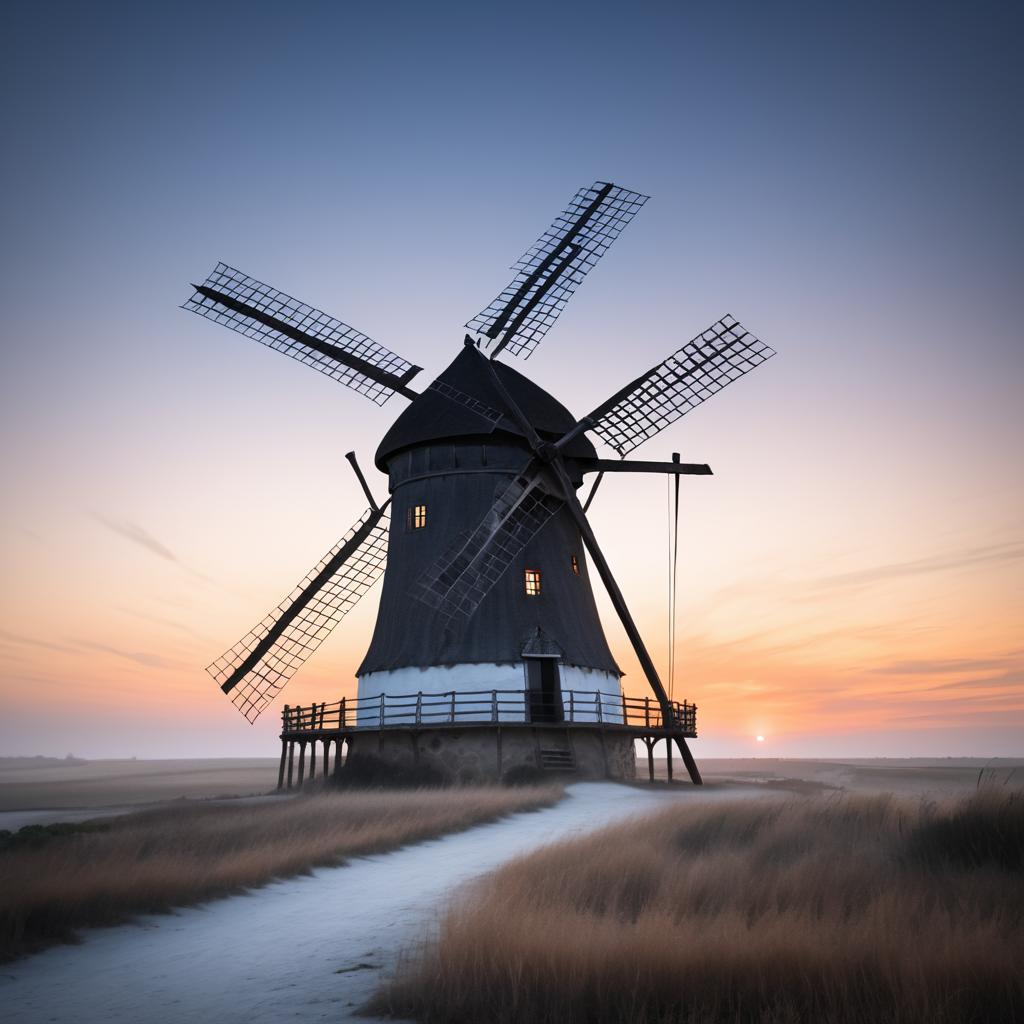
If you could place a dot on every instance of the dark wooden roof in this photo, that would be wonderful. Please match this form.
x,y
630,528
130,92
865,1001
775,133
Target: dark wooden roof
x,y
433,417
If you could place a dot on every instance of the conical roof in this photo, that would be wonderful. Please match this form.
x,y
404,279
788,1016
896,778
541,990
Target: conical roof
x,y
445,411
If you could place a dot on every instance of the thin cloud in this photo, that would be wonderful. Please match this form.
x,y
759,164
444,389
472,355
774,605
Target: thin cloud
x,y
28,641
941,666
138,657
162,621
1009,552
137,535
1013,677
144,539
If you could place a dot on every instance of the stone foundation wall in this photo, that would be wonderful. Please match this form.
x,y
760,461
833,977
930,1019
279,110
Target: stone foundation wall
x,y
489,754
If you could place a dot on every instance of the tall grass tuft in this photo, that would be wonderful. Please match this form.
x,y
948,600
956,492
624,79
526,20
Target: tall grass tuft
x,y
156,860
839,910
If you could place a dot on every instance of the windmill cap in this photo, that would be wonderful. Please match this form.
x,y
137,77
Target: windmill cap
x,y
445,411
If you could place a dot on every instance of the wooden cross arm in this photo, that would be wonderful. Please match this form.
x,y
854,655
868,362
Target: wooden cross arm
x,y
616,466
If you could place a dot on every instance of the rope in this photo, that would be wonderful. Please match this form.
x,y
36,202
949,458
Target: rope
x,y
673,564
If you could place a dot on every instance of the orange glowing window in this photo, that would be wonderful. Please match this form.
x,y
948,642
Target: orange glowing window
x,y
532,582
575,566
417,517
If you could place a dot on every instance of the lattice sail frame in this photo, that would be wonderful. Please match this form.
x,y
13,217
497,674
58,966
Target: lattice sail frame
x,y
691,375
301,637
461,398
323,328
457,582
591,242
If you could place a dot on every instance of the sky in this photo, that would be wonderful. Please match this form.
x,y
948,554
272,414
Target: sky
x,y
843,178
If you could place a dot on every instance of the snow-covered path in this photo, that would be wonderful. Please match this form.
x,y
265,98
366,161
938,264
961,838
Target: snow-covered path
x,y
306,949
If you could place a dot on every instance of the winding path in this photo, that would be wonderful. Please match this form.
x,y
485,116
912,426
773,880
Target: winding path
x,y
309,948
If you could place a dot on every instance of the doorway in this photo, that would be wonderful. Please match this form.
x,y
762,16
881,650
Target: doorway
x,y
545,690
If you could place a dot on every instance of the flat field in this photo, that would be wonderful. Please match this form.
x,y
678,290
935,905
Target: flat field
x,y
386,908
29,785
838,908
47,783
911,776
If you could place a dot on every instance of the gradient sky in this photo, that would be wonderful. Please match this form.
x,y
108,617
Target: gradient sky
x,y
845,179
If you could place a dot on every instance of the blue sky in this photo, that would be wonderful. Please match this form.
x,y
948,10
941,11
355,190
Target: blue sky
x,y
845,178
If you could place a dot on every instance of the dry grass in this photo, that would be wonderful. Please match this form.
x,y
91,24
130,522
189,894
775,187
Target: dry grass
x,y
833,910
52,884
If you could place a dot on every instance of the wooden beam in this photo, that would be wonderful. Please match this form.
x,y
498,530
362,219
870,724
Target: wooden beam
x,y
691,765
338,355
551,455
308,593
636,466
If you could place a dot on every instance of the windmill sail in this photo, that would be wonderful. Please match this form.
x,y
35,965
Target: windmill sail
x,y
453,394
277,320
691,375
550,271
258,666
463,576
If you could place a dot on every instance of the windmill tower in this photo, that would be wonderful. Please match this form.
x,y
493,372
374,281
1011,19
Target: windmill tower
x,y
488,653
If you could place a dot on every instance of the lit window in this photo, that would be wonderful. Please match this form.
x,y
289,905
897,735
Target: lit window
x,y
575,566
417,517
532,582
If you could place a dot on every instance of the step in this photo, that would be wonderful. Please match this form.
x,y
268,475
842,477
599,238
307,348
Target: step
x,y
557,760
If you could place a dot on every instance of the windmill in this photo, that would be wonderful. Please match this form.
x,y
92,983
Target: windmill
x,y
483,541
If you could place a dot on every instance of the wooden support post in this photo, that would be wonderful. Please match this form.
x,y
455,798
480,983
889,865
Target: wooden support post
x,y
341,714
312,759
327,750
597,706
453,707
552,460
668,756
650,757
291,762
302,761
284,759
691,765
572,705
337,755
494,705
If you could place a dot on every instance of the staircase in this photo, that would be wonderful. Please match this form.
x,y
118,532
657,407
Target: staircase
x,y
557,755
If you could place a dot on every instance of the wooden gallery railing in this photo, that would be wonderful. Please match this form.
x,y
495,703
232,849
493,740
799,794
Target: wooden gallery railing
x,y
507,707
